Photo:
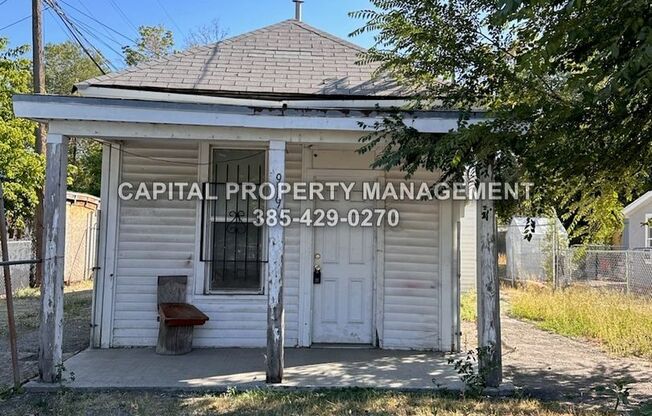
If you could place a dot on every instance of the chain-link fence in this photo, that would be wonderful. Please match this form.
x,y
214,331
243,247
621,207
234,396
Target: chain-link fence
x,y
532,244
628,271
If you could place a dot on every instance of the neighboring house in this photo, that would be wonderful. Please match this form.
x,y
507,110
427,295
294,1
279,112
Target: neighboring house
x,y
81,236
637,232
284,102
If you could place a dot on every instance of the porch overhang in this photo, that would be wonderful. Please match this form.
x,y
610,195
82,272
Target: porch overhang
x,y
88,116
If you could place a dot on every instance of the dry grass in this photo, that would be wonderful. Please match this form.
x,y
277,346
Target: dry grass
x,y
27,305
265,402
35,292
623,324
469,306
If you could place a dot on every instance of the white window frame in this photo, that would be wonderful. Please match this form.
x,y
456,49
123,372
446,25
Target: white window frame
x,y
209,264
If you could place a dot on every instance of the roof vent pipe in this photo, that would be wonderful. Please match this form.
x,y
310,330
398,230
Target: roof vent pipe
x,y
298,9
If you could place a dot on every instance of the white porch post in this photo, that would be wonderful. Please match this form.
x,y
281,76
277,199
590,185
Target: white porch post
x,y
54,244
275,318
488,285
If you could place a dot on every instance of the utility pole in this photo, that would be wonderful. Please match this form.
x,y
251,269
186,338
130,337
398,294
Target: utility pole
x,y
38,75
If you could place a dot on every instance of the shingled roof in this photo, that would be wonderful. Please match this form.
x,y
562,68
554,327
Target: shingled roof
x,y
289,58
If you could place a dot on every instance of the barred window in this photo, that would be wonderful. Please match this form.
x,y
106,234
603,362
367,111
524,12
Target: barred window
x,y
233,245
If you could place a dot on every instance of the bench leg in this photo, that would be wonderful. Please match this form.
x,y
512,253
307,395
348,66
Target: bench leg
x,y
174,340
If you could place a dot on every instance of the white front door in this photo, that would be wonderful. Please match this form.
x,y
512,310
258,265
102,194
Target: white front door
x,y
343,301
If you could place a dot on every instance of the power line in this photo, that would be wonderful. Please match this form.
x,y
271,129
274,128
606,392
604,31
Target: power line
x,y
170,17
124,15
90,32
65,30
172,162
3,2
95,33
19,20
77,35
99,22
16,22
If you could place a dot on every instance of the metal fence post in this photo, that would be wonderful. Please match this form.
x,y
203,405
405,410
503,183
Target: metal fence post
x,y
11,323
627,272
554,256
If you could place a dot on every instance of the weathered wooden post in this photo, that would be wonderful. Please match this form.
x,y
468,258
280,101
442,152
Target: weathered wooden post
x,y
11,323
489,340
275,318
54,221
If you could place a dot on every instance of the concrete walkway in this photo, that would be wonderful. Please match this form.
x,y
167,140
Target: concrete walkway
x,y
219,369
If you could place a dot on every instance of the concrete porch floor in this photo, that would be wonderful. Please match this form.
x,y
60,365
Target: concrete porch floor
x,y
219,369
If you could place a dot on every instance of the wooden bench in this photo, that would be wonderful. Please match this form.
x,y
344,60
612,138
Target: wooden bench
x,y
177,318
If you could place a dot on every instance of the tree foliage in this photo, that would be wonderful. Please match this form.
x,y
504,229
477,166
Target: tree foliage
x,y
205,34
153,42
85,166
566,86
19,163
65,65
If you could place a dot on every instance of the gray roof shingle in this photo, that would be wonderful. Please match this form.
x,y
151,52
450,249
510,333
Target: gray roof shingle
x,y
289,57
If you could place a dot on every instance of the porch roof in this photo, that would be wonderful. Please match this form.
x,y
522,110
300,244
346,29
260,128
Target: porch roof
x,y
273,116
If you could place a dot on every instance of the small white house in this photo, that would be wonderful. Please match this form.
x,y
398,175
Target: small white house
x,y
281,103
638,232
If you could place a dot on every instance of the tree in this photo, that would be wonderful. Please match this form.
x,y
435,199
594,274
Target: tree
x,y
205,34
153,42
19,163
65,65
566,85
85,175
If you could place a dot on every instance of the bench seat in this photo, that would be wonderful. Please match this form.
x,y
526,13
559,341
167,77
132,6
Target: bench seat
x,y
181,314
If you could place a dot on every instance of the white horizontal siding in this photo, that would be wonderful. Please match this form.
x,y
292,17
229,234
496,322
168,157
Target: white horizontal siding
x,y
154,237
241,321
159,237
293,172
468,246
412,282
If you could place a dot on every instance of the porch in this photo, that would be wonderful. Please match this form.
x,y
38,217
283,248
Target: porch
x,y
415,266
219,369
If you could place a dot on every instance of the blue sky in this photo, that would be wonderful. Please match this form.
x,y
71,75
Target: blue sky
x,y
235,16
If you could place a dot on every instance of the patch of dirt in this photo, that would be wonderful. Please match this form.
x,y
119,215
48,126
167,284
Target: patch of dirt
x,y
76,332
553,367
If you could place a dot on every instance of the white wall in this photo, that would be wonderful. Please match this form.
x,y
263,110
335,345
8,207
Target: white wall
x,y
468,245
154,238
160,238
412,274
635,231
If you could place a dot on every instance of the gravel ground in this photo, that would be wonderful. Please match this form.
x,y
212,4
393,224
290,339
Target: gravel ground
x,y
553,367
